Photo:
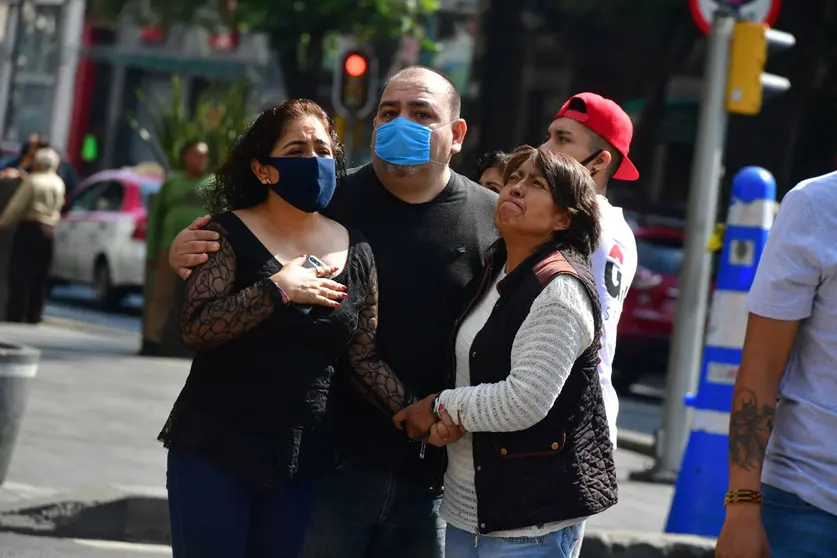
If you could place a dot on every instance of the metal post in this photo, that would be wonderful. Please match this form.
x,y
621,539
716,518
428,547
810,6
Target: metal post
x,y
687,339
8,61
349,142
72,27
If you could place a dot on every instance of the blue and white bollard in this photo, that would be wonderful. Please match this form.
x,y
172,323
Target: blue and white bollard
x,y
698,504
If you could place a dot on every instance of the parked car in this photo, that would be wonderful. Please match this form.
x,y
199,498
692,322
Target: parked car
x,y
649,309
100,239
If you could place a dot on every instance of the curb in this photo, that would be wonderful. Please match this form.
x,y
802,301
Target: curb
x,y
112,513
628,544
637,442
141,515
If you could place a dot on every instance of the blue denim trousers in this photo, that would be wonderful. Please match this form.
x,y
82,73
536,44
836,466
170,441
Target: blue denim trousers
x,y
213,515
795,528
365,512
565,543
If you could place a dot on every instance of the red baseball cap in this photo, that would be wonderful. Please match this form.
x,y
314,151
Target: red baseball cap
x,y
607,119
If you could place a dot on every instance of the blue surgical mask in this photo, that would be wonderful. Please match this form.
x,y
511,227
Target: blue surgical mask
x,y
307,183
403,142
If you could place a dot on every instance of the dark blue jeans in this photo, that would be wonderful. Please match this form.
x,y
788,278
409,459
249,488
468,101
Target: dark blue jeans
x,y
795,528
362,512
213,515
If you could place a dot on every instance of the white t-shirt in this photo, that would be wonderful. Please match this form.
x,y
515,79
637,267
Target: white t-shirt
x,y
614,266
797,280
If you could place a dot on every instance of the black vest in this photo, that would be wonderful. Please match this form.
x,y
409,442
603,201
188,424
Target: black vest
x,y
561,468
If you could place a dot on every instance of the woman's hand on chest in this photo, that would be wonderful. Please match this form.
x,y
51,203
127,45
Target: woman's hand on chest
x,y
304,285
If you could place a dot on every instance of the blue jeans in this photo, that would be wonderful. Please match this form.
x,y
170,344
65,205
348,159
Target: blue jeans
x,y
213,515
795,527
565,543
363,512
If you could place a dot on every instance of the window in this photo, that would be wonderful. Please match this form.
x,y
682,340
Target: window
x,y
148,189
84,200
111,197
663,256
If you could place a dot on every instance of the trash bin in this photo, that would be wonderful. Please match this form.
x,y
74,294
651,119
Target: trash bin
x,y
18,365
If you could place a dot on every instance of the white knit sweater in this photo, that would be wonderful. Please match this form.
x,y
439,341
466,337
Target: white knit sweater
x,y
557,330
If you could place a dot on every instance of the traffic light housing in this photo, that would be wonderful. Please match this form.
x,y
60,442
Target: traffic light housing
x,y
355,84
747,84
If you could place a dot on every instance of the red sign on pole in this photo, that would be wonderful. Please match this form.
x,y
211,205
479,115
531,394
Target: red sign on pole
x,y
760,11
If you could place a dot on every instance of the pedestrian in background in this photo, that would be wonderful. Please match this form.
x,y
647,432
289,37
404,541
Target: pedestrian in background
x,y
597,132
249,433
782,499
489,170
178,203
36,208
21,164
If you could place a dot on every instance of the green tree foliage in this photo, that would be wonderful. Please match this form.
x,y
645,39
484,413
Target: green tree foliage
x,y
297,29
221,113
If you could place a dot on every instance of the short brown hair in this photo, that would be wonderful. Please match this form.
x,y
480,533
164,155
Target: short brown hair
x,y
572,189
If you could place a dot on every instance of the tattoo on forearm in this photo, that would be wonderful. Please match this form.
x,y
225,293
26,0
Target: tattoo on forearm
x,y
750,425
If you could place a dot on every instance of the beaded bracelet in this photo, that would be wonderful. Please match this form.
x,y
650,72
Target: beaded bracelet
x,y
742,497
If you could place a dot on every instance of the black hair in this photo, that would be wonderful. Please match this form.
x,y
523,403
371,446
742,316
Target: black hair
x,y
572,189
236,186
597,142
490,160
454,99
189,145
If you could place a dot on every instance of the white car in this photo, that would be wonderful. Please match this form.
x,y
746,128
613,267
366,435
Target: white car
x,y
100,239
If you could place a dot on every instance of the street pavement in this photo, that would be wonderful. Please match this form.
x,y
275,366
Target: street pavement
x,y
18,546
96,408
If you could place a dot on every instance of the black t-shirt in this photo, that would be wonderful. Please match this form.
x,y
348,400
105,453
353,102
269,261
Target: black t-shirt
x,y
427,257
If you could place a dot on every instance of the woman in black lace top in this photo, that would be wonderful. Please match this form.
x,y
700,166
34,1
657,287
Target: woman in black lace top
x,y
248,433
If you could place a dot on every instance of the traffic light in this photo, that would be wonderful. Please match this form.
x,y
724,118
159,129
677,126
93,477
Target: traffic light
x,y
747,83
355,85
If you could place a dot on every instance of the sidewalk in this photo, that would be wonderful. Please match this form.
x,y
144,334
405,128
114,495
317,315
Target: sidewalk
x,y
95,410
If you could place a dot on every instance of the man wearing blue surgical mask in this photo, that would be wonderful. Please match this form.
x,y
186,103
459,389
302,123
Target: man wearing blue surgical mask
x,y
428,228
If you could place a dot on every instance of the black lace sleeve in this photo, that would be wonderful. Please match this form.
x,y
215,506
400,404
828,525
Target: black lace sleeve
x,y
212,313
370,375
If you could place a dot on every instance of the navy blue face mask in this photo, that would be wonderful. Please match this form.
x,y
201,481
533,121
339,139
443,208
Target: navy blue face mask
x,y
307,183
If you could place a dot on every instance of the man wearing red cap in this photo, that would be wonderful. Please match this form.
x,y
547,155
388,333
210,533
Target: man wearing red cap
x,y
597,132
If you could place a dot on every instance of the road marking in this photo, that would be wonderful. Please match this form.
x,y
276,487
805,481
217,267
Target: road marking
x,y
126,547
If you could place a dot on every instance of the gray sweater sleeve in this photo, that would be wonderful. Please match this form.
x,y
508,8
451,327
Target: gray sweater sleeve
x,y
556,332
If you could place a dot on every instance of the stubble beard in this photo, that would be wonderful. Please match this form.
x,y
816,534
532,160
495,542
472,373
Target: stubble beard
x,y
402,170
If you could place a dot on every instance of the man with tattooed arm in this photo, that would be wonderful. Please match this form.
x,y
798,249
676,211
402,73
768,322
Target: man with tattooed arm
x,y
782,498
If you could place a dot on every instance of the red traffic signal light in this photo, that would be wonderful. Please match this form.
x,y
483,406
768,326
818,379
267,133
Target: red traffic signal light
x,y
355,65
355,83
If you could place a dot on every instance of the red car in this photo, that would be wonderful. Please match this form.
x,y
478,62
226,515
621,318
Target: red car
x,y
648,312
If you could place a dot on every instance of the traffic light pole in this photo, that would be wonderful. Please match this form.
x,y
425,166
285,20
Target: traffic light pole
x,y
349,144
688,335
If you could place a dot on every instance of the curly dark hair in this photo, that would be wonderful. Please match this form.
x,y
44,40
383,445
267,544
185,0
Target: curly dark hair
x,y
490,160
235,185
572,189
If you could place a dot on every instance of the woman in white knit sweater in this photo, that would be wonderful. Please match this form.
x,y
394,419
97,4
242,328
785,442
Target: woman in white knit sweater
x,y
548,217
